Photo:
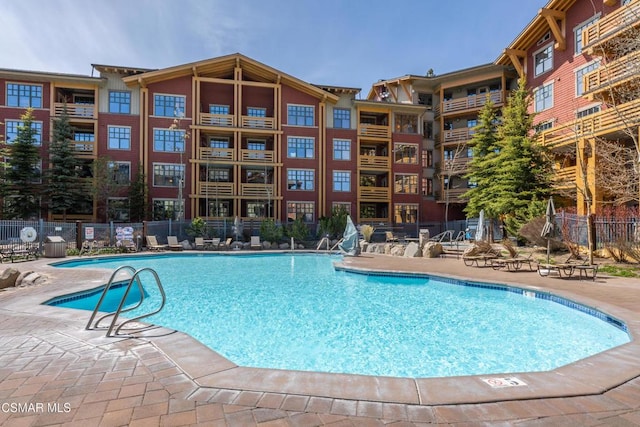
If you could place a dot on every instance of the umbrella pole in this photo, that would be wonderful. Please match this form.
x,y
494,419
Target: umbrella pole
x,y
548,250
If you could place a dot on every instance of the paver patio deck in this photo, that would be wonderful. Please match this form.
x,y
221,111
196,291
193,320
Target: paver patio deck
x,y
53,372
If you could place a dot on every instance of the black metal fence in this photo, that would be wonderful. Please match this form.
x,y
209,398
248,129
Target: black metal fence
x,y
607,230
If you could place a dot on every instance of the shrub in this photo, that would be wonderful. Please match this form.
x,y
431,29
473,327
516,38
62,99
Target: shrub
x,y
197,228
367,232
270,231
298,230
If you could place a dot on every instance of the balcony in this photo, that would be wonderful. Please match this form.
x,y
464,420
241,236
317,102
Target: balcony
x,y
374,162
565,178
256,156
457,135
599,124
84,149
216,154
371,194
263,191
614,73
222,120
623,19
454,195
375,131
253,122
76,111
456,166
472,102
215,189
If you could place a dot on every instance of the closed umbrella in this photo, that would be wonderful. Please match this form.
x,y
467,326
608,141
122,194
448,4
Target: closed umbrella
x,y
237,227
349,243
549,228
480,227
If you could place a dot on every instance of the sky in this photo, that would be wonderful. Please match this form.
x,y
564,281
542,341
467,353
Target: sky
x,y
352,43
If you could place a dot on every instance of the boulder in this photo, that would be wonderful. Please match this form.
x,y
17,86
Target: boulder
x,y
432,250
397,250
21,277
283,246
8,278
412,250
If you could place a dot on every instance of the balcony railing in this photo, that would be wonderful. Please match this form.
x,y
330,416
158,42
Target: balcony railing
x,y
83,148
623,19
219,154
598,124
215,189
375,131
223,120
457,135
453,195
256,156
565,177
258,122
615,72
256,190
76,111
374,162
374,193
455,166
468,103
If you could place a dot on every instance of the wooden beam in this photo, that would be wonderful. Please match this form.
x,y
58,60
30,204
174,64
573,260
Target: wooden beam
x,y
515,56
552,17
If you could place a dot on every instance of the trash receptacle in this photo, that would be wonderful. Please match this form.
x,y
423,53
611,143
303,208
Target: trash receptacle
x,y
55,247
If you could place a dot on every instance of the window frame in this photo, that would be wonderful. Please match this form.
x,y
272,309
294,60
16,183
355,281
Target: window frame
x,y
594,65
550,58
307,121
113,163
177,133
36,126
176,111
334,181
577,33
119,103
305,175
120,139
404,184
175,166
297,203
341,120
543,87
19,96
399,148
308,148
336,149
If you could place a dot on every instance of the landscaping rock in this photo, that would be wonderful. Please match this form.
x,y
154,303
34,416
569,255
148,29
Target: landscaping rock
x,y
21,277
283,246
432,250
8,278
397,250
412,250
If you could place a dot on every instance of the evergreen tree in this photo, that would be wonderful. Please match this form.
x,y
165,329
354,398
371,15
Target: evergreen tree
x,y
138,197
523,177
22,174
63,190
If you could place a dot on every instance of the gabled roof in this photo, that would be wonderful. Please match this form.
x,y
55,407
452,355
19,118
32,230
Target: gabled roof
x,y
223,67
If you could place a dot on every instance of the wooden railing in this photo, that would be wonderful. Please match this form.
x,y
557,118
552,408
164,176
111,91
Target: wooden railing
x,y
598,124
208,153
253,122
457,135
83,148
454,194
468,103
257,156
455,166
256,190
374,193
565,177
615,72
374,162
625,17
215,189
76,111
375,131
224,120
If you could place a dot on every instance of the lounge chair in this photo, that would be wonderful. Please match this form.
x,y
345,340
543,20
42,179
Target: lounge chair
x,y
173,243
153,245
127,245
480,252
515,261
390,237
255,242
226,244
199,243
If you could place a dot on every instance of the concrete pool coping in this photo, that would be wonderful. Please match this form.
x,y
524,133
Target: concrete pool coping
x,y
590,376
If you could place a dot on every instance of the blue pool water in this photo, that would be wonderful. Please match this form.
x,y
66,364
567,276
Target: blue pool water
x,y
297,312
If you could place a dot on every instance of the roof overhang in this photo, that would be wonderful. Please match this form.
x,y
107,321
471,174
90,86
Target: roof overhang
x,y
39,76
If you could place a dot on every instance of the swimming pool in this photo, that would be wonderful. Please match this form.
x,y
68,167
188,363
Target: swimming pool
x,y
297,312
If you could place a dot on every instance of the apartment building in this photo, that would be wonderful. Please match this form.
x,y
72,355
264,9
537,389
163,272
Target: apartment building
x,y
564,54
452,103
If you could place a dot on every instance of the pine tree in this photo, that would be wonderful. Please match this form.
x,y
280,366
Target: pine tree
x,y
138,197
23,175
63,190
523,178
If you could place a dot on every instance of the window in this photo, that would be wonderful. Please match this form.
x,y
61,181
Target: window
x,y
168,140
341,149
541,127
165,209
256,112
255,144
588,111
406,213
119,138
300,115
406,154
300,179
218,142
118,209
406,184
342,205
168,105
20,95
12,131
578,33
427,158
543,97
543,60
406,123
341,181
544,38
304,210
341,118
218,175
218,109
302,148
119,102
120,172
167,174
83,136
580,73
427,186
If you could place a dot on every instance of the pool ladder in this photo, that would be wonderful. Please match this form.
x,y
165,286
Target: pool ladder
x,y
113,329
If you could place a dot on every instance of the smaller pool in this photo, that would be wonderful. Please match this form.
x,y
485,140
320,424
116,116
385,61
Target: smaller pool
x,y
87,300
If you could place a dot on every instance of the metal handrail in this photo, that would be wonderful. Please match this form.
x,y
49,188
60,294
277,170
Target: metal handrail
x,y
124,297
104,294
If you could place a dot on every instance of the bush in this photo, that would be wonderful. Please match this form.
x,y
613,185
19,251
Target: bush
x,y
335,224
270,231
298,230
367,232
197,228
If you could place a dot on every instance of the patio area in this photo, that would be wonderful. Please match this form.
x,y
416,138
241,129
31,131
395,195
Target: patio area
x,y
53,372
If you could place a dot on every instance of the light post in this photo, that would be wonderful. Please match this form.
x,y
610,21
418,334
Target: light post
x,y
175,126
